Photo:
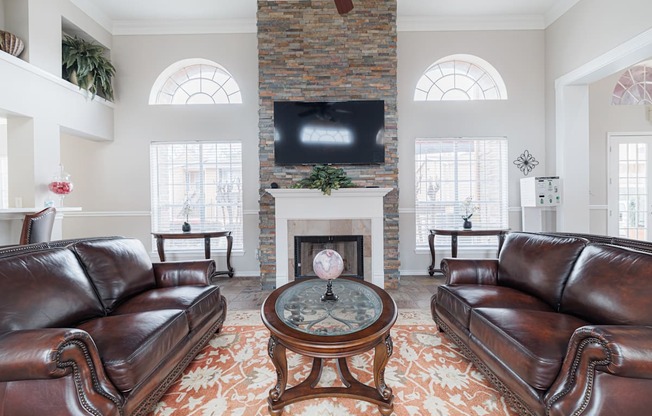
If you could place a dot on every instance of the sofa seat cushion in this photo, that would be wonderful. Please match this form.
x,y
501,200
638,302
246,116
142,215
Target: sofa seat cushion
x,y
197,301
531,343
459,300
133,345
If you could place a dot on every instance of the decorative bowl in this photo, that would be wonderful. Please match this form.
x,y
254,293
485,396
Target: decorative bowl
x,y
11,43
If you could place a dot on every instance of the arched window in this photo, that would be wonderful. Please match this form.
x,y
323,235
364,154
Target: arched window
x,y
195,81
460,77
634,86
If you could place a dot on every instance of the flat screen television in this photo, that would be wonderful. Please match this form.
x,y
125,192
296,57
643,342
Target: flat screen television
x,y
345,132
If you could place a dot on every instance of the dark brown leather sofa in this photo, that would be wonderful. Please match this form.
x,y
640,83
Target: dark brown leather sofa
x,y
94,328
562,326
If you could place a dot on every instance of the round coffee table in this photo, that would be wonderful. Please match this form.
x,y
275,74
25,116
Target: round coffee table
x,y
359,320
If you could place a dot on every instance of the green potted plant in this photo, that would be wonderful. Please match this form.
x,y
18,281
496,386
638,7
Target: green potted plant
x,y
84,64
325,178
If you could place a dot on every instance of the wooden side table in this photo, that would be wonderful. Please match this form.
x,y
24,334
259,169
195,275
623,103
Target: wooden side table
x,y
455,233
206,235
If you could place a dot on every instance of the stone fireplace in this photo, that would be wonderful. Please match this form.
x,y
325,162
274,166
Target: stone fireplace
x,y
308,52
353,212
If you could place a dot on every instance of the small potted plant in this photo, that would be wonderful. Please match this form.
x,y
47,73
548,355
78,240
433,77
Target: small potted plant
x,y
85,65
325,178
469,209
186,209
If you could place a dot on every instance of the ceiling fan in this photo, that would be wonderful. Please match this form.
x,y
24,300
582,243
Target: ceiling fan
x,y
344,6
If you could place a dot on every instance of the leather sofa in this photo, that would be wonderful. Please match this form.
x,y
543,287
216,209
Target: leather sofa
x,y
93,327
559,324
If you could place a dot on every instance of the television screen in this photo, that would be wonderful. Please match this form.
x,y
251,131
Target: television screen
x,y
347,132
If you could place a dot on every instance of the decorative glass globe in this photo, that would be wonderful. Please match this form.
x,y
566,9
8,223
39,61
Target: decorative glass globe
x,y
328,264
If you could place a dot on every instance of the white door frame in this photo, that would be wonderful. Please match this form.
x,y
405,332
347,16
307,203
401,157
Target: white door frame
x,y
572,127
612,177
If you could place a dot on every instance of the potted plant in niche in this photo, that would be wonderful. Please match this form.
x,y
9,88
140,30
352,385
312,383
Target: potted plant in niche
x,y
85,65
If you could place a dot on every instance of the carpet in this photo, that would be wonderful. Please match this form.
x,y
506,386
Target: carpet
x,y
427,373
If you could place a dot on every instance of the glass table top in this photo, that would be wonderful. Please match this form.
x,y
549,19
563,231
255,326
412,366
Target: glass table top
x,y
300,307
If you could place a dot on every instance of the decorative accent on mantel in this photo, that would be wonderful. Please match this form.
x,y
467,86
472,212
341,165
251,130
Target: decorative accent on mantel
x,y
311,204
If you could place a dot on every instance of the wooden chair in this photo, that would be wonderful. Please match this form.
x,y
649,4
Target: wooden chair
x,y
37,228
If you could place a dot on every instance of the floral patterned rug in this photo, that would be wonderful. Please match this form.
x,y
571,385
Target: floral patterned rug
x,y
427,373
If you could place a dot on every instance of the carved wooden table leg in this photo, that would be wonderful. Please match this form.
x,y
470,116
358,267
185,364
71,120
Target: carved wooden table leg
x,y
381,357
276,352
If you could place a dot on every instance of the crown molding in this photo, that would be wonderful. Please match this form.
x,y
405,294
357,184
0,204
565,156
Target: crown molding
x,y
95,13
183,27
558,10
457,23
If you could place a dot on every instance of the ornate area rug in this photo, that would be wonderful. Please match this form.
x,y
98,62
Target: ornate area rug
x,y
427,373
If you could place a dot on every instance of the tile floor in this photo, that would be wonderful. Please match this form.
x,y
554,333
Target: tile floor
x,y
244,293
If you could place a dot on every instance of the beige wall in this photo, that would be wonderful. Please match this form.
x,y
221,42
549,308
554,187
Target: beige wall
x,y
582,46
606,118
519,58
588,30
114,178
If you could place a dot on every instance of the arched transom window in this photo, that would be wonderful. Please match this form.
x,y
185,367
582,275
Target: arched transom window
x,y
195,81
460,77
634,86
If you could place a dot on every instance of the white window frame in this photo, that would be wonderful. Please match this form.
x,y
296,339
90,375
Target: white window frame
x,y
460,77
212,182
195,81
453,170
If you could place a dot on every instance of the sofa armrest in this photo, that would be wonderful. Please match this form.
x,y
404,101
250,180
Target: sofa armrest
x,y
470,271
184,273
50,353
618,350
31,354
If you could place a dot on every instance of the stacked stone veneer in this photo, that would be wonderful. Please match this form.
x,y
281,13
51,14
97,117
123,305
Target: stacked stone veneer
x,y
308,52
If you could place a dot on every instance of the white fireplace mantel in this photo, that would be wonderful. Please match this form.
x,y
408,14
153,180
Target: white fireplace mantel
x,y
311,204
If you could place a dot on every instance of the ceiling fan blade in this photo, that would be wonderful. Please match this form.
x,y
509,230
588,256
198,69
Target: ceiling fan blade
x,y
344,6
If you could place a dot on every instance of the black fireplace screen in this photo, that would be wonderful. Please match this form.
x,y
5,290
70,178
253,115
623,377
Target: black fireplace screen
x,y
348,246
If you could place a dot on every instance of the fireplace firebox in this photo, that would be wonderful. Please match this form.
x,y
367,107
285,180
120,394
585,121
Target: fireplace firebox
x,y
349,247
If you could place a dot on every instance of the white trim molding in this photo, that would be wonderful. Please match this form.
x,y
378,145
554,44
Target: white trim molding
x,y
458,23
110,214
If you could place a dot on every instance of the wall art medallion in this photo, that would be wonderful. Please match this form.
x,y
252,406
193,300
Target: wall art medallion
x,y
526,162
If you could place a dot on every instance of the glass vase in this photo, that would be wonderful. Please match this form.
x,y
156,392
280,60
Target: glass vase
x,y
61,184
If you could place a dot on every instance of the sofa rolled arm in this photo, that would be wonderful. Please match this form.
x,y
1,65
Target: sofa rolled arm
x,y
49,353
184,273
470,271
623,351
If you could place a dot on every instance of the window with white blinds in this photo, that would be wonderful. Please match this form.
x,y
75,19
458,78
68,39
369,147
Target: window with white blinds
x,y
208,175
447,172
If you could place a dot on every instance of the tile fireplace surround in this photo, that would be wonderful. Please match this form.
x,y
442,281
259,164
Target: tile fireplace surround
x,y
342,204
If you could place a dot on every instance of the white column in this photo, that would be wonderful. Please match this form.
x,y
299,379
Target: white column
x,y
572,151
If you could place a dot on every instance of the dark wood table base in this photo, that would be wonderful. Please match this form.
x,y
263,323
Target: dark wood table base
x,y
206,235
380,396
454,233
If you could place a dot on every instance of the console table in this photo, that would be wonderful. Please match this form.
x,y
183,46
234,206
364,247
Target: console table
x,y
206,235
455,233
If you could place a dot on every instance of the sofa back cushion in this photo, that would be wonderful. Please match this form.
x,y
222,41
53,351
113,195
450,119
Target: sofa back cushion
x,y
610,286
45,289
538,264
119,268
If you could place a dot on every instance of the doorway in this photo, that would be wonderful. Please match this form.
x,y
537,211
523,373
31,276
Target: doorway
x,y
630,185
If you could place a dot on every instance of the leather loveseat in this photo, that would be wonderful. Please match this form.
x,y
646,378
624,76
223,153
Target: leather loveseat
x,y
560,325
94,328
